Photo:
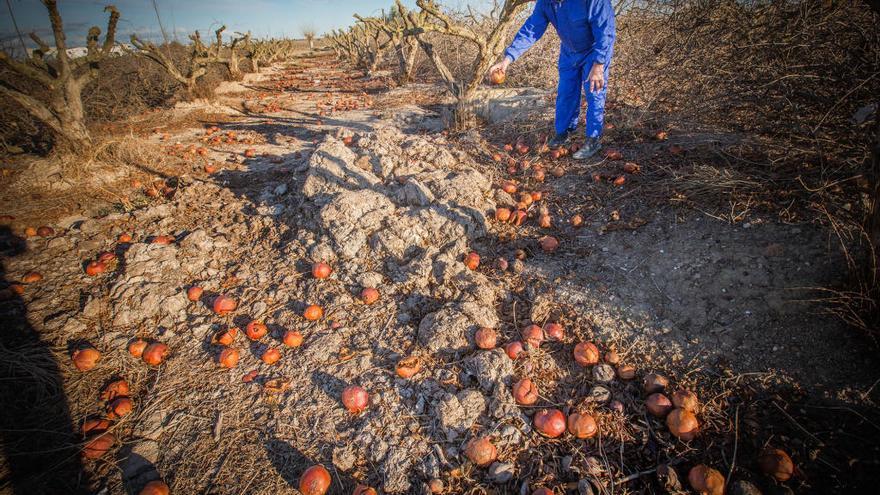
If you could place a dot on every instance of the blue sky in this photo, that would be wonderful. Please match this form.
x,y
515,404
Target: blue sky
x,y
261,17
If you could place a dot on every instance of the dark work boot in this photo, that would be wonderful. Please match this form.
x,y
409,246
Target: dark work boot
x,y
560,140
590,148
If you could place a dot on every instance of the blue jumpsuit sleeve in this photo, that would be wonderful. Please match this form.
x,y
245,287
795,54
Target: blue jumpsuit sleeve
x,y
602,24
529,33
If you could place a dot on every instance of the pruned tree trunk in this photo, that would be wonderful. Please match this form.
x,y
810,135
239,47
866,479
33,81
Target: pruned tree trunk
x,y
430,18
64,78
200,58
411,47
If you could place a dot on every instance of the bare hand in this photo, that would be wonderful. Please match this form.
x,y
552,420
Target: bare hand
x,y
597,78
500,66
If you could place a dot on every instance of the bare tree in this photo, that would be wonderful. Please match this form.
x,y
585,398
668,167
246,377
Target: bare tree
x,y
431,19
63,78
406,47
269,51
309,33
200,57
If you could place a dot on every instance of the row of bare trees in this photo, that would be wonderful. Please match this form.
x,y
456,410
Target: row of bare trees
x,y
405,31
48,83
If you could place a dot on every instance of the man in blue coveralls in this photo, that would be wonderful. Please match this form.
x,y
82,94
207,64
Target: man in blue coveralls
x,y
586,30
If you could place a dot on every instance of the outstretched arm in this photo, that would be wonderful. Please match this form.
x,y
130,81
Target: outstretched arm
x,y
528,34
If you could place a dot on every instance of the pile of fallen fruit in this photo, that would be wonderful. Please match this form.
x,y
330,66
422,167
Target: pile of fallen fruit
x,y
351,291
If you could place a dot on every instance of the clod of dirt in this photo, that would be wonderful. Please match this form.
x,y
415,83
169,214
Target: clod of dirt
x,y
599,395
452,328
501,472
491,368
457,413
603,373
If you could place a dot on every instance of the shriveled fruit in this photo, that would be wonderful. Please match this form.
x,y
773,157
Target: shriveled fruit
x,y
683,424
408,367
293,338
554,331
124,238
549,243
163,239
223,305
98,446
613,154
533,335
685,399
355,399
271,356
626,371
472,260
705,480
194,293
486,338
777,464
228,358
544,221
321,270
364,490
586,354
31,278
509,187
653,382
369,295
45,231
525,392
314,481
226,337
94,426
155,353
550,422
631,168
513,349
543,491
658,405
313,312
95,268
256,330
136,347
582,425
503,214
620,181
114,389
481,451
612,358
119,407
436,486
86,358
577,221
155,487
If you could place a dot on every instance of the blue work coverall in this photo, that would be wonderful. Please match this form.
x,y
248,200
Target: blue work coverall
x,y
586,29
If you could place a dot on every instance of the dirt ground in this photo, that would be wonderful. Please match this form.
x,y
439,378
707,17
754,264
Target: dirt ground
x,y
326,165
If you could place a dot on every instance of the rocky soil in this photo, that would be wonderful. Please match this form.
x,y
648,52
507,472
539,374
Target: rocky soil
x,y
319,172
